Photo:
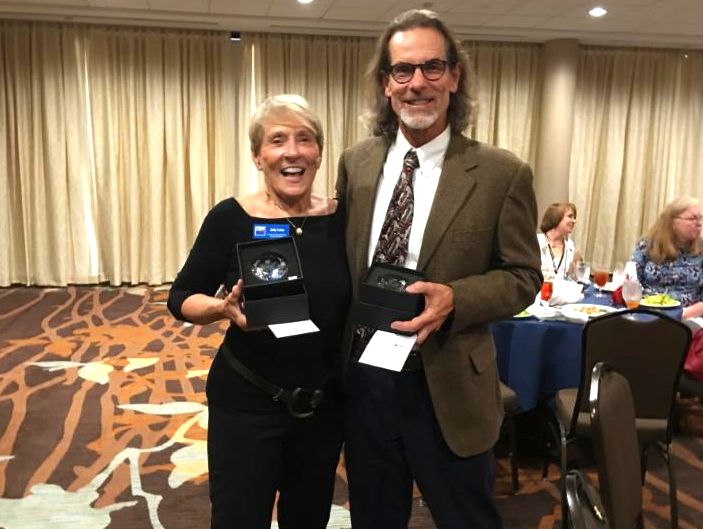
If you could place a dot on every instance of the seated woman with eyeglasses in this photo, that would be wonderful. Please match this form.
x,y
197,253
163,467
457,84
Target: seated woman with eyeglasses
x,y
670,258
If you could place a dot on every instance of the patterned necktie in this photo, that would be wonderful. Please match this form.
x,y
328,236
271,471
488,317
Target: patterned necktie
x,y
392,246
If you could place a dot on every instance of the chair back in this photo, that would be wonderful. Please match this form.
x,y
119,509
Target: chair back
x,y
585,509
616,447
648,351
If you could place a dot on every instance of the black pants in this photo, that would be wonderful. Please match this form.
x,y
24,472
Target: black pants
x,y
393,438
252,454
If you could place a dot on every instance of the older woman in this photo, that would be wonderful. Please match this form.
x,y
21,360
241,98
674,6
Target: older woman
x,y
670,258
256,444
557,249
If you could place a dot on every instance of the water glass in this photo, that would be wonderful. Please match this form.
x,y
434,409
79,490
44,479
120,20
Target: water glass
x,y
583,272
631,294
618,274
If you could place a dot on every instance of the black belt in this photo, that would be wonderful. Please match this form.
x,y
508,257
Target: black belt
x,y
301,402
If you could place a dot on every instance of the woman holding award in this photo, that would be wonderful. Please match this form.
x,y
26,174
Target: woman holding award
x,y
275,410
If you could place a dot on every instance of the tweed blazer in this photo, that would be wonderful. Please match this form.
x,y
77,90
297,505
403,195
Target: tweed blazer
x,y
480,240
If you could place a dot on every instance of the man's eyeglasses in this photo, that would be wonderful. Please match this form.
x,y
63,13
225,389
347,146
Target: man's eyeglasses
x,y
696,218
433,70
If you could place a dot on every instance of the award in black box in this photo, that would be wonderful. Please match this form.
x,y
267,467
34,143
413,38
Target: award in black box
x,y
273,282
383,299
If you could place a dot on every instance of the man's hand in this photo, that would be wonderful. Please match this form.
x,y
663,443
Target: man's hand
x,y
439,304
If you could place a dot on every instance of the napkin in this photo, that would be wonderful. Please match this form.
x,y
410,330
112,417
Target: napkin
x,y
565,292
544,312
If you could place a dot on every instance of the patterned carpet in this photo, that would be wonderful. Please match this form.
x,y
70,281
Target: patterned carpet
x,y
103,423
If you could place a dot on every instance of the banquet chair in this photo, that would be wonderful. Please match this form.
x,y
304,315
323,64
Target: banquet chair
x,y
511,406
585,508
687,384
649,352
616,447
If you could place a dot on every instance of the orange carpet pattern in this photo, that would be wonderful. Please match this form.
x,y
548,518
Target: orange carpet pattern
x,y
103,422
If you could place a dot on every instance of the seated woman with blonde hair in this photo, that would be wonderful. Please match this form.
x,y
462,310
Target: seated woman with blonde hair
x,y
670,258
557,249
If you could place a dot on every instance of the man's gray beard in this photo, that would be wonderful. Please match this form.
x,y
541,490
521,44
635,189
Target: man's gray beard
x,y
418,121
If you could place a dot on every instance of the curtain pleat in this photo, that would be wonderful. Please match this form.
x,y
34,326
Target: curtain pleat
x,y
119,140
508,87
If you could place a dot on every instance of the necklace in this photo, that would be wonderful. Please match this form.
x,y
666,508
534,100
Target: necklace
x,y
298,229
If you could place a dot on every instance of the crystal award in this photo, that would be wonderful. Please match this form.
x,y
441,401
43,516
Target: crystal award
x,y
270,266
392,282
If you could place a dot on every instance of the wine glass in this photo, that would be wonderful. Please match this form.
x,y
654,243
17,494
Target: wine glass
x,y
631,294
600,278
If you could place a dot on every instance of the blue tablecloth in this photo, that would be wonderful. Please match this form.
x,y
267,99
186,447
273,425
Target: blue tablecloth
x,y
538,358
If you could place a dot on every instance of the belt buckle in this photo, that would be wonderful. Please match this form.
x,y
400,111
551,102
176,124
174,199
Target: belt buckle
x,y
303,402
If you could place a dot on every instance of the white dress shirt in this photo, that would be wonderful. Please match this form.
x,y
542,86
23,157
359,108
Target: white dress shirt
x,y
425,180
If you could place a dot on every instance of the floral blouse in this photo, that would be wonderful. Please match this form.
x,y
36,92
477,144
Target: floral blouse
x,y
681,278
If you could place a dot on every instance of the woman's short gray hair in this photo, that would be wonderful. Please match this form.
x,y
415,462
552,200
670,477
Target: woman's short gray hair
x,y
283,107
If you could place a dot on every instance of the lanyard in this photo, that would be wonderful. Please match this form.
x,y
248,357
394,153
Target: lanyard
x,y
563,253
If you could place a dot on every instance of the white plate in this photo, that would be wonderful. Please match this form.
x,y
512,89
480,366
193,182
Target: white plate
x,y
587,310
673,303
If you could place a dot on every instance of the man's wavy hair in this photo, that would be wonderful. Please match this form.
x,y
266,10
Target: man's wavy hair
x,y
380,116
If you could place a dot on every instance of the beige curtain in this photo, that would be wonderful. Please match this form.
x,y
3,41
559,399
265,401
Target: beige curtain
x,y
117,141
45,193
508,87
328,72
162,108
637,143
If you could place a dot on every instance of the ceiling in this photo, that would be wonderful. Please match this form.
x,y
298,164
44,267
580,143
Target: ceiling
x,y
652,23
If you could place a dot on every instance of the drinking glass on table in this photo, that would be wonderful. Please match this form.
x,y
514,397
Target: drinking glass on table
x,y
618,275
631,294
583,272
600,278
547,289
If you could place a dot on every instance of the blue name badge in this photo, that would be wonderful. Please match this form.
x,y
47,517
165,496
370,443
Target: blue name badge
x,y
271,231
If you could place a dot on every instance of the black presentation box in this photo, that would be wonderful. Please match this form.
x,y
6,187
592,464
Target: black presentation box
x,y
269,297
382,296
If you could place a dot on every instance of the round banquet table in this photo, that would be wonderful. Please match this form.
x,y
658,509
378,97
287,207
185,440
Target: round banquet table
x,y
538,358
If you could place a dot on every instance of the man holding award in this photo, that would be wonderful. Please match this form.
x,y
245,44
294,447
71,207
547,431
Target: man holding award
x,y
420,195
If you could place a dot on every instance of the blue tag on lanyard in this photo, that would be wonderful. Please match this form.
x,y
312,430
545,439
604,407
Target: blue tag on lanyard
x,y
270,231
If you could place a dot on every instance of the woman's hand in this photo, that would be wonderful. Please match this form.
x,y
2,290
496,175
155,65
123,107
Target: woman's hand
x,y
693,311
232,306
